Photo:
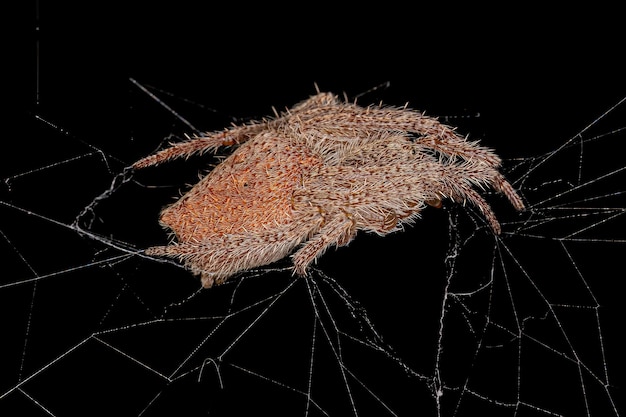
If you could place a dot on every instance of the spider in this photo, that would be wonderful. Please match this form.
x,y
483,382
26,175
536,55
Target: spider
x,y
313,176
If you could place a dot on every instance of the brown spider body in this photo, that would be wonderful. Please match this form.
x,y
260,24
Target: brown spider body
x,y
312,177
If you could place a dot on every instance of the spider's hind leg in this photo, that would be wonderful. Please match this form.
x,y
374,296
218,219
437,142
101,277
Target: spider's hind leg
x,y
202,144
177,150
188,255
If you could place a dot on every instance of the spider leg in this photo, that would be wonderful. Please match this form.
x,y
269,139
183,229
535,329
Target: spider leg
x,y
356,122
479,174
444,139
222,257
503,186
440,137
338,231
460,187
194,256
478,201
203,144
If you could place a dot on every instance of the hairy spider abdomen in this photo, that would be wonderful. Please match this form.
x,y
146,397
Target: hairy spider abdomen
x,y
250,192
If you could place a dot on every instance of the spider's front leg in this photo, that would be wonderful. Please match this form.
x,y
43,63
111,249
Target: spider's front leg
x,y
431,133
440,137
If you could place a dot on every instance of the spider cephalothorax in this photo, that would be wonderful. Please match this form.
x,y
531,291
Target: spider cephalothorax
x,y
315,175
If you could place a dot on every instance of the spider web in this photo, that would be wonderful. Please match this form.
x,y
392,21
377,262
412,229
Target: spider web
x,y
514,325
443,319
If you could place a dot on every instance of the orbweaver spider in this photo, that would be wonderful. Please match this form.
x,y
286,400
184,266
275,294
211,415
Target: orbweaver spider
x,y
312,177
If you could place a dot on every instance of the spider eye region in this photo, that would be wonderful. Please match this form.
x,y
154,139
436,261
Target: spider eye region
x,y
436,203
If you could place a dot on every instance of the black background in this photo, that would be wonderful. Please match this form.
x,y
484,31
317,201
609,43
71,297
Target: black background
x,y
523,80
